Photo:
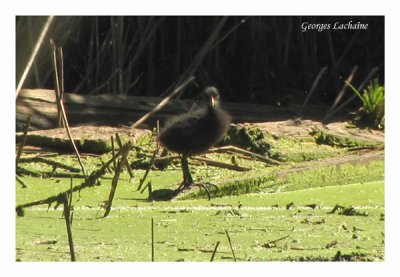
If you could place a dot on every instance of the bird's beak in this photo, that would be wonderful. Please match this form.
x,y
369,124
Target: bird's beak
x,y
213,101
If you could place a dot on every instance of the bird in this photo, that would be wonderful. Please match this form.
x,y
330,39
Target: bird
x,y
195,131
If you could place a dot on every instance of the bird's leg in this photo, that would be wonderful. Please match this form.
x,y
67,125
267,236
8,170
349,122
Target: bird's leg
x,y
188,180
187,177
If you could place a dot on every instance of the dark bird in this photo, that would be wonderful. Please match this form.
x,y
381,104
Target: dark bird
x,y
196,131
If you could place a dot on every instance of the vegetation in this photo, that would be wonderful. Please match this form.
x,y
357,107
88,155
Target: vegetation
x,y
298,225
272,213
311,178
300,150
372,112
249,138
259,59
322,137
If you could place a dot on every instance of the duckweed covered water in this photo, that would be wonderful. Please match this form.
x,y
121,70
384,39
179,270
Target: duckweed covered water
x,y
272,213
291,225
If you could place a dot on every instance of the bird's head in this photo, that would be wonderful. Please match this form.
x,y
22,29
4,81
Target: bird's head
x,y
213,95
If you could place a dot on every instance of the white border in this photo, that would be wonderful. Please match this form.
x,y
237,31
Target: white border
x,y
249,7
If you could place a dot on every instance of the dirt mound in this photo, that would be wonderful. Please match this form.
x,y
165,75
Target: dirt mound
x,y
301,129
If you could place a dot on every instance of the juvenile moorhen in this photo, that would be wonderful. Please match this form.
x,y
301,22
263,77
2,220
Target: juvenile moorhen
x,y
195,132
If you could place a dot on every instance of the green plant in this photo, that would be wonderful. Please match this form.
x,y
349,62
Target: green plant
x,y
372,113
321,137
249,138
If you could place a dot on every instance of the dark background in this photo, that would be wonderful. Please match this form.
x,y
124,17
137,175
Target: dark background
x,y
255,59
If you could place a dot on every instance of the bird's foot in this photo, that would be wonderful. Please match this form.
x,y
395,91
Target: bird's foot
x,y
185,185
206,186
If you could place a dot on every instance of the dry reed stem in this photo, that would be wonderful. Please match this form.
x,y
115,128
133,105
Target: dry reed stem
x,y
341,93
220,164
61,106
312,90
21,146
230,244
234,149
215,251
67,216
152,239
127,165
23,184
199,58
34,53
162,103
351,98
113,153
114,183
90,181
148,168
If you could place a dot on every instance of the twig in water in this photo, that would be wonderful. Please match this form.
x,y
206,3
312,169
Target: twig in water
x,y
127,165
148,168
215,251
150,189
230,244
91,181
23,184
272,243
67,216
108,168
152,239
70,199
238,150
220,164
28,172
53,163
114,183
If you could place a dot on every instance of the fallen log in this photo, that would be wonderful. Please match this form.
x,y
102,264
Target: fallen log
x,y
115,110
